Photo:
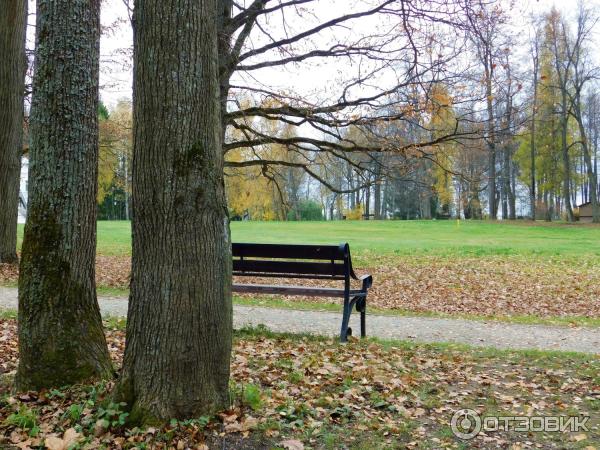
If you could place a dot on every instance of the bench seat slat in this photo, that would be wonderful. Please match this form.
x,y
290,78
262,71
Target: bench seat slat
x,y
293,290
288,275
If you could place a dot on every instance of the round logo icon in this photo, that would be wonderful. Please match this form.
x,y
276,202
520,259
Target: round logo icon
x,y
465,424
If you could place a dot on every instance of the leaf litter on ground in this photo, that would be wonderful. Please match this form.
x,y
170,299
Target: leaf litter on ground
x,y
491,285
299,392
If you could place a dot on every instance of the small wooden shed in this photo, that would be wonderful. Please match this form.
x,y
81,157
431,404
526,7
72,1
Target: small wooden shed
x,y
585,212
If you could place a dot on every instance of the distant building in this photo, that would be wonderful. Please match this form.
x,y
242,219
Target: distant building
x,y
585,212
23,190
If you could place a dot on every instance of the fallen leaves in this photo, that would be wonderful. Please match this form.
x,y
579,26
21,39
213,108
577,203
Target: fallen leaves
x,y
485,286
69,438
292,444
542,286
315,393
9,273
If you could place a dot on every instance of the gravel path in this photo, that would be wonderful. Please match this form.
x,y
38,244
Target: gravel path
x,y
418,329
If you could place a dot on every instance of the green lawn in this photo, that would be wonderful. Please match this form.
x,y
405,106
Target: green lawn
x,y
444,238
522,271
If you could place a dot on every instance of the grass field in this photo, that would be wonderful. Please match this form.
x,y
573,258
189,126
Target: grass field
x,y
443,238
521,271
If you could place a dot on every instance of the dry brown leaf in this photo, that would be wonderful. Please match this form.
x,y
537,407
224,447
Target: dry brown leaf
x,y
292,444
69,438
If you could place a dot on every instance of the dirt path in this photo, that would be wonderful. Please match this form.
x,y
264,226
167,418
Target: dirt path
x,y
418,329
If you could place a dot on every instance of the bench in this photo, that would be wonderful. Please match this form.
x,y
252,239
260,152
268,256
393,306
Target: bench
x,y
312,262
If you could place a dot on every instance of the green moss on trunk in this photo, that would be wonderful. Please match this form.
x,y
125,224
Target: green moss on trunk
x,y
56,333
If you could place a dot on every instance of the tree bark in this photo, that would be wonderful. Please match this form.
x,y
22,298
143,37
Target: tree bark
x,y
61,339
491,129
386,199
532,155
588,163
512,198
351,186
377,159
566,161
504,192
179,327
13,22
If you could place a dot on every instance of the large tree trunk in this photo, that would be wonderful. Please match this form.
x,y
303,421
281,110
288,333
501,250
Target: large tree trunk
x,y
179,328
13,20
61,340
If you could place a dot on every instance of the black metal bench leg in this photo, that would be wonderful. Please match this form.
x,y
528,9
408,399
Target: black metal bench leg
x,y
363,320
345,320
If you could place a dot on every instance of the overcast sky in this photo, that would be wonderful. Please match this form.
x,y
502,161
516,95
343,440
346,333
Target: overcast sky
x,y
116,73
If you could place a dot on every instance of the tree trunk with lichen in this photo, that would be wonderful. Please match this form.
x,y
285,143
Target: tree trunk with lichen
x,y
61,339
179,327
13,20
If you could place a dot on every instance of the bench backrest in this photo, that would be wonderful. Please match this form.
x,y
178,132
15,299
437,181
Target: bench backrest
x,y
292,261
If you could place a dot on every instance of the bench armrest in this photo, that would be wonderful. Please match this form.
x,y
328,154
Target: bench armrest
x,y
367,281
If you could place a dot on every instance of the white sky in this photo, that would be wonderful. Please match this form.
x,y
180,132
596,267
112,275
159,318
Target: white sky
x,y
116,75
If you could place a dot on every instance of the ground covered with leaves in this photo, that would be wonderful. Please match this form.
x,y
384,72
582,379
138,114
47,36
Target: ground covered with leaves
x,y
299,392
510,285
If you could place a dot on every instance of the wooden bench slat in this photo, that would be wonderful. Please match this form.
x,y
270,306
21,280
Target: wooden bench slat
x,y
289,275
292,290
289,267
289,251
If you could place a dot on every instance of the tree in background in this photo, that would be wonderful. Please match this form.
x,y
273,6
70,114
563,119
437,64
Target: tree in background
x,y
559,48
264,35
471,164
559,156
584,71
265,192
535,72
61,338
545,130
114,171
13,22
442,121
485,31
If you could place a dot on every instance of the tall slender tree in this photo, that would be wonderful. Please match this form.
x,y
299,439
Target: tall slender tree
x,y
535,69
556,30
13,21
485,30
179,328
61,339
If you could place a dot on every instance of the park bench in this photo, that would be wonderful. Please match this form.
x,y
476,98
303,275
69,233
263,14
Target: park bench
x,y
312,262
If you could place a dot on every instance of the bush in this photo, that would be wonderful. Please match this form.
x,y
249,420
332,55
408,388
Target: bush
x,y
354,214
306,210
